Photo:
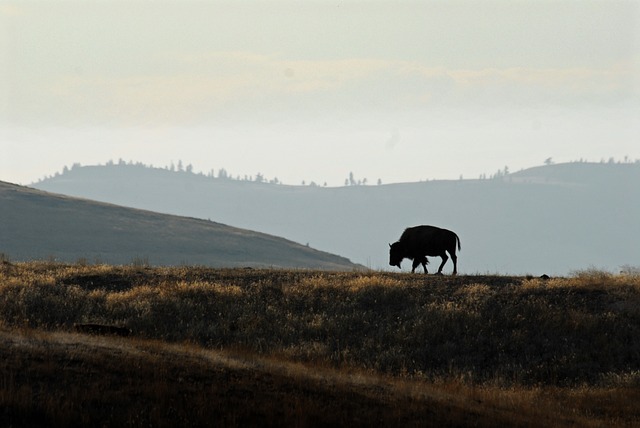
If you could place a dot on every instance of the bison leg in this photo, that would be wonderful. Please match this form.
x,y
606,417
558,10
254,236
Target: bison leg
x,y
444,260
424,262
415,264
420,261
454,258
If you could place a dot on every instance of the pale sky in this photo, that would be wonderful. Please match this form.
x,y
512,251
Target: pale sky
x,y
313,90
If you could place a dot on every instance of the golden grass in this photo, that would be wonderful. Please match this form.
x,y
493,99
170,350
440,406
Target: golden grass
x,y
509,349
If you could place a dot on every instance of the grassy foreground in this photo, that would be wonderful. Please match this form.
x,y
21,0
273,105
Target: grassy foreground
x,y
298,348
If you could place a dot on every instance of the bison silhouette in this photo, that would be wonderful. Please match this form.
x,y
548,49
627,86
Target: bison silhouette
x,y
416,243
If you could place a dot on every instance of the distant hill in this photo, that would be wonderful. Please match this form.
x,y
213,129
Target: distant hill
x,y
39,225
549,219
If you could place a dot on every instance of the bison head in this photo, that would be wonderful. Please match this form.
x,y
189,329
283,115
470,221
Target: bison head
x,y
395,254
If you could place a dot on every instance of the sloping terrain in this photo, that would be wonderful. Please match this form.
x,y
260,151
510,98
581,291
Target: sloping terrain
x,y
238,347
551,219
40,225
83,380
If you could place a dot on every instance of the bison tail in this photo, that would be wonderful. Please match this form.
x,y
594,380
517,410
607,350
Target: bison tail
x,y
458,239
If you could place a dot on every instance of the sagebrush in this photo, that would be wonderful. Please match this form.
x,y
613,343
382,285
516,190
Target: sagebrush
x,y
500,330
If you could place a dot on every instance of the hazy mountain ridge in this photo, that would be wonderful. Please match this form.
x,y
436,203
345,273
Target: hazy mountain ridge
x,y
548,219
580,173
39,225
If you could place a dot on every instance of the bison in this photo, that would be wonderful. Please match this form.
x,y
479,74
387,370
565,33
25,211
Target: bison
x,y
418,242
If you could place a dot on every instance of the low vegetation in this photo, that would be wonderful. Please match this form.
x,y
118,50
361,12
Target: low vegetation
x,y
289,347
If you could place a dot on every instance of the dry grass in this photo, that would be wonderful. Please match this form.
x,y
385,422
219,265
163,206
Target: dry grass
x,y
455,351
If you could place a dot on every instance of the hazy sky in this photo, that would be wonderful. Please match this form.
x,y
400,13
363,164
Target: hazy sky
x,y
312,90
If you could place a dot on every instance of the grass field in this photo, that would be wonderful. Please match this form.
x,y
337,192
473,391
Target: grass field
x,y
301,348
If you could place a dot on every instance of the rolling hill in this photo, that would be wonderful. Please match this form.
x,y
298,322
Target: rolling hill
x,y
551,219
40,225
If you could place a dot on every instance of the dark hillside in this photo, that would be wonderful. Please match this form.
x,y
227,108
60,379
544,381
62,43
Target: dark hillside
x,y
38,225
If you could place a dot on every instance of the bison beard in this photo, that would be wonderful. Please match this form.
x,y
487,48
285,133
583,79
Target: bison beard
x,y
416,243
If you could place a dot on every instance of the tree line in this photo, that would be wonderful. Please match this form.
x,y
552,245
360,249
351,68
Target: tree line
x,y
350,180
220,174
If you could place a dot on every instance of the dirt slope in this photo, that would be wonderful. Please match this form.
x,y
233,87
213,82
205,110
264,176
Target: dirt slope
x,y
63,379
